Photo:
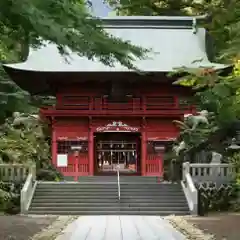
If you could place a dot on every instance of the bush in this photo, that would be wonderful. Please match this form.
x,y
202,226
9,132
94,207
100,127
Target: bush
x,y
214,198
4,199
50,174
10,197
235,161
25,140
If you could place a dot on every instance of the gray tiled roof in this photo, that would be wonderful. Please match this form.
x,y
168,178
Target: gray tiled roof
x,y
173,40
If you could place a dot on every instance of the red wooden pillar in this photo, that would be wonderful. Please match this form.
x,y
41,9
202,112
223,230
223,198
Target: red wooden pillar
x,y
144,153
143,148
54,146
90,152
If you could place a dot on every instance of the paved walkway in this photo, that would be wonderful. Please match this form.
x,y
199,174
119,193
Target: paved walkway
x,y
120,228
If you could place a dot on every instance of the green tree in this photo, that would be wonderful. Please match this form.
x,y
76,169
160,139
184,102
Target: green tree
x,y
66,23
150,7
25,23
12,98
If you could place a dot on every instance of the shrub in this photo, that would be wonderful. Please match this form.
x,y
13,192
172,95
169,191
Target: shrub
x,y
10,197
215,198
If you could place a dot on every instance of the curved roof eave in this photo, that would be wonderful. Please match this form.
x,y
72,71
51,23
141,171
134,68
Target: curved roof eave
x,y
22,67
171,48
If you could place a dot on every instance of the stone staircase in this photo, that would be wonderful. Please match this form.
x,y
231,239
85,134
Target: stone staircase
x,y
99,196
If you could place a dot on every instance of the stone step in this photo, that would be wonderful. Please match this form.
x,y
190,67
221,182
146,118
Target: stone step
x,y
146,198
114,212
109,191
121,176
129,179
114,204
112,197
71,208
105,194
107,185
110,186
107,201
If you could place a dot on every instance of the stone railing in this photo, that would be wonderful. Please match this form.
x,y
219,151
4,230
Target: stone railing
x,y
212,172
14,172
200,173
190,190
28,190
21,173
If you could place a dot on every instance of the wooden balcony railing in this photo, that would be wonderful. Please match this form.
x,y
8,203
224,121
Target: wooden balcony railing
x,y
101,106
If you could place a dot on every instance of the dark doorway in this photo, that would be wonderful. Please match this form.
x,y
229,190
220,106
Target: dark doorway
x,y
112,150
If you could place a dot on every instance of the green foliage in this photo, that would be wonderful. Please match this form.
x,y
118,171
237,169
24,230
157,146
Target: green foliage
x,y
66,23
194,135
214,198
24,138
215,93
235,161
4,199
19,144
150,8
10,197
12,98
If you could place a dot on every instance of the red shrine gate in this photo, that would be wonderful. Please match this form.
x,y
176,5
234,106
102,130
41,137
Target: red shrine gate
x,y
112,115
95,146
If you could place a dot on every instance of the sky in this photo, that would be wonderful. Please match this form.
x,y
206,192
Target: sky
x,y
100,9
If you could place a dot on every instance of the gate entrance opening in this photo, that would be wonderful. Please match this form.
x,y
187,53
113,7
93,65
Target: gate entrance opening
x,y
114,150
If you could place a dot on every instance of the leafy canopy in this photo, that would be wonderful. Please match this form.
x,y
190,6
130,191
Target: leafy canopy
x,y
66,23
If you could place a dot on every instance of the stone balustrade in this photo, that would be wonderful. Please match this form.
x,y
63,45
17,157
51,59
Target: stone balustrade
x,y
194,173
15,172
210,172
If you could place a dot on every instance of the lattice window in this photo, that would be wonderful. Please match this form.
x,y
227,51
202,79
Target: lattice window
x,y
65,147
